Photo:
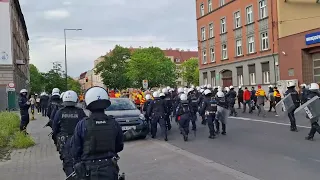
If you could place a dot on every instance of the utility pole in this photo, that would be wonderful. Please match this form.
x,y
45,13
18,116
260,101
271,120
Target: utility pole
x,y
56,66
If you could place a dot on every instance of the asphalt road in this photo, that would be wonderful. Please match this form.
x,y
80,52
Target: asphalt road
x,y
261,147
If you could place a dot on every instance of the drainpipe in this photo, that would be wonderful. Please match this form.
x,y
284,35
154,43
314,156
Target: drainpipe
x,y
272,33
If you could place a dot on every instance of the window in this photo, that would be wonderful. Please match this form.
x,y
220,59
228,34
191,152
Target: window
x,y
213,78
249,15
240,80
222,2
203,33
177,60
266,77
237,20
263,9
211,30
204,56
205,78
212,55
224,51
239,47
209,5
202,10
251,48
264,41
223,25
252,77
291,72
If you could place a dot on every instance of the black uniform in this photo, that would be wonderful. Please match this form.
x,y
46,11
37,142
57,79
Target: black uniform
x,y
145,109
240,98
24,112
44,104
63,125
96,141
184,113
209,108
168,103
314,122
157,111
304,95
193,100
295,99
231,98
221,101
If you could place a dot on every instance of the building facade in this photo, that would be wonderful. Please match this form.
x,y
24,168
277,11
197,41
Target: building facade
x,y
237,42
299,40
14,49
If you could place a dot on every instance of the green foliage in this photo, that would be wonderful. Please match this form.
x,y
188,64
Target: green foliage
x,y
151,64
36,79
74,85
10,135
113,68
190,71
53,79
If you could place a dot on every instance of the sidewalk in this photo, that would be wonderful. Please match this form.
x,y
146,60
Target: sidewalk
x,y
140,160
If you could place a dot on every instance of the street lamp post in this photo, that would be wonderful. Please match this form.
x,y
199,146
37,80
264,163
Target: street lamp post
x,y
65,52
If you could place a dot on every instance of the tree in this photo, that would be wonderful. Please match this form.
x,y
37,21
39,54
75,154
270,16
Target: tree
x,y
113,68
190,71
74,85
36,80
53,79
151,64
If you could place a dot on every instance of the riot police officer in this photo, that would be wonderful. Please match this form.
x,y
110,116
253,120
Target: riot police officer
x,y
209,108
157,112
313,91
184,113
231,98
63,125
53,101
304,93
176,101
97,139
221,113
24,105
200,100
193,100
295,98
168,103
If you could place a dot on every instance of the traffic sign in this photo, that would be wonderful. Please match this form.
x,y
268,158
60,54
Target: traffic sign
x,y
145,84
11,85
10,89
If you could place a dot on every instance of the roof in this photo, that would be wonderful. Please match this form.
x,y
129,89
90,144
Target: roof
x,y
83,75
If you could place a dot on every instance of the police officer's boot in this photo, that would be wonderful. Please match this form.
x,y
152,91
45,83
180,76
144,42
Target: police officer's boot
x,y
217,127
310,138
185,137
212,136
224,129
166,138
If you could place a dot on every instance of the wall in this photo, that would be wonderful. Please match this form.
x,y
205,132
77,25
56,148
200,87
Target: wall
x,y
293,47
296,16
259,25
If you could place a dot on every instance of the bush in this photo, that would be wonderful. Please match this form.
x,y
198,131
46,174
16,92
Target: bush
x,y
10,135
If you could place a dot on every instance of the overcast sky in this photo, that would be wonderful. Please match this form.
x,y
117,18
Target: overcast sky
x,y
105,23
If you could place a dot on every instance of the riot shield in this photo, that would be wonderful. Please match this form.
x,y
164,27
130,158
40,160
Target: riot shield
x,y
311,108
222,114
285,106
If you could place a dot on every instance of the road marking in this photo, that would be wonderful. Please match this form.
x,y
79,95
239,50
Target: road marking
x,y
207,162
270,122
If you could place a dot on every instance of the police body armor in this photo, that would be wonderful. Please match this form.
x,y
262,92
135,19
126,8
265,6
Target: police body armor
x,y
158,108
100,136
68,120
184,108
212,106
194,101
168,102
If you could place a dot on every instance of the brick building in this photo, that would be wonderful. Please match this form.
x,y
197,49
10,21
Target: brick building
x,y
14,49
239,41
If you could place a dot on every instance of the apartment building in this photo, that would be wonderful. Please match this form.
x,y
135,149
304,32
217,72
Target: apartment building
x,y
237,42
14,52
299,40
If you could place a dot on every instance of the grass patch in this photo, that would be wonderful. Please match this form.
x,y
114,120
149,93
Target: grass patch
x,y
10,135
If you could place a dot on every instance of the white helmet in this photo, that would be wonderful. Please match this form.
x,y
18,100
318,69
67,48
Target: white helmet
x,y
208,85
270,86
207,91
69,98
23,91
162,95
227,89
314,86
165,90
191,89
61,95
171,90
148,97
303,85
198,88
55,91
231,87
168,87
192,86
97,98
220,94
291,84
240,87
201,90
185,89
156,94
183,97
180,90
219,88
